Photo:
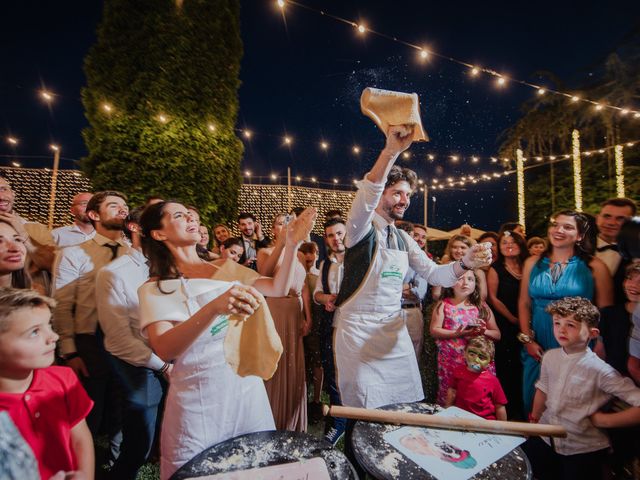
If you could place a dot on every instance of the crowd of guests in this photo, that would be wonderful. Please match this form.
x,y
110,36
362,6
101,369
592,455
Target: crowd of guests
x,y
132,306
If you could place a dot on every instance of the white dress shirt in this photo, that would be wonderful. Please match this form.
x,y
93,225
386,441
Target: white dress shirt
x,y
334,277
70,235
363,214
118,310
611,258
577,385
74,288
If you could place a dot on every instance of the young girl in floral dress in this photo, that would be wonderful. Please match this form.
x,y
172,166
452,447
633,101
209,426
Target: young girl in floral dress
x,y
460,314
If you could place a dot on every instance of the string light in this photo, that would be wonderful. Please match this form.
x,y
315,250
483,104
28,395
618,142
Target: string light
x,y
274,176
46,96
16,164
406,155
247,173
431,157
356,149
474,69
619,171
107,107
577,170
424,54
324,145
211,127
335,180
288,140
54,147
246,133
281,3
162,118
12,140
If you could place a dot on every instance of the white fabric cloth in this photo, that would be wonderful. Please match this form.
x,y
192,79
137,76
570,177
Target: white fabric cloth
x,y
207,402
375,360
70,235
362,214
611,258
334,277
75,273
118,310
577,385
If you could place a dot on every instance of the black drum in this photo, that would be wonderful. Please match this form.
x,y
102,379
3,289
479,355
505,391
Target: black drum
x,y
264,449
373,453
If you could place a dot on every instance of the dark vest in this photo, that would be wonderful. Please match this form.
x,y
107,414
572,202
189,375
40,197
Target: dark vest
x,y
357,261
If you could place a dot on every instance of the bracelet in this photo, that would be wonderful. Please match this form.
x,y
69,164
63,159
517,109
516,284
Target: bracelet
x,y
463,266
164,368
524,338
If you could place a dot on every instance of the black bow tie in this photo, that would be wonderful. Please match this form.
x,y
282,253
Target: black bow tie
x,y
611,246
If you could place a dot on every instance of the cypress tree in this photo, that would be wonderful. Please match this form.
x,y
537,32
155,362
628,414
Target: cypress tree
x,y
161,101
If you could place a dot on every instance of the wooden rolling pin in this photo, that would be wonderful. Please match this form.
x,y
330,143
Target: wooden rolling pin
x,y
447,423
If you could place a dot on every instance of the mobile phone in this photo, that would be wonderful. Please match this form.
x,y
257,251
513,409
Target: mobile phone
x,y
287,219
470,326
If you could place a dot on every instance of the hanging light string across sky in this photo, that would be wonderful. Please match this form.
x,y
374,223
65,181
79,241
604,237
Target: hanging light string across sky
x,y
474,70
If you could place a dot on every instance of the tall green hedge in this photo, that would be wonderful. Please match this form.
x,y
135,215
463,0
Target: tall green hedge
x,y
180,60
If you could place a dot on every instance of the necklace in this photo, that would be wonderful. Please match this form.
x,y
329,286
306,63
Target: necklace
x,y
513,273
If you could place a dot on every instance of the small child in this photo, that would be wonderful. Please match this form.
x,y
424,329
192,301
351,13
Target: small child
x,y
474,388
460,315
574,384
47,404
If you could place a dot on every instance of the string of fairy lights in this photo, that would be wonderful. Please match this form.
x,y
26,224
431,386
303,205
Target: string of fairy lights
x,y
473,70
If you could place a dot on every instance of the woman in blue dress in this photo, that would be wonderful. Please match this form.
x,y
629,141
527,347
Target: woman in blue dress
x,y
567,268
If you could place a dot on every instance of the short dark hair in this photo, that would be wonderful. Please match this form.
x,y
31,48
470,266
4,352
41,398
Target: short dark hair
x,y
309,247
333,213
245,215
621,202
297,211
493,235
404,225
579,308
98,198
333,221
399,174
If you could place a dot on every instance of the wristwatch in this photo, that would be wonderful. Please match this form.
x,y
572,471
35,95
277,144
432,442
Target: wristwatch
x,y
463,266
524,338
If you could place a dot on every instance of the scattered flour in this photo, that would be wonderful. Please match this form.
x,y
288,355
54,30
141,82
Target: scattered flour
x,y
390,463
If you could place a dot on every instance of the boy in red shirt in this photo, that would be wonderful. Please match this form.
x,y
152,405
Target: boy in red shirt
x,y
47,404
474,388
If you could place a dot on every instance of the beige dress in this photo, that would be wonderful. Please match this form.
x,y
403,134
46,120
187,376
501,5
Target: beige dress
x,y
287,389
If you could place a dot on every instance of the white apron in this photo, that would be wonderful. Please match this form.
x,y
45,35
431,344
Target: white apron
x,y
207,402
375,360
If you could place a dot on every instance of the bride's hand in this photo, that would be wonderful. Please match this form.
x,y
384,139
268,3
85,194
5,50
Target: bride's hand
x,y
300,228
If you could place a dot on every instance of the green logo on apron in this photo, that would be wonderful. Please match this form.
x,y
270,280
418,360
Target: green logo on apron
x,y
394,271
219,325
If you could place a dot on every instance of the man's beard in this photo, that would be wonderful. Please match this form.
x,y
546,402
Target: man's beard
x,y
341,249
83,219
392,214
247,235
114,224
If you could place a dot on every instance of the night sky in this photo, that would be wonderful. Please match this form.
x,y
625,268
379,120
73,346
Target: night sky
x,y
303,74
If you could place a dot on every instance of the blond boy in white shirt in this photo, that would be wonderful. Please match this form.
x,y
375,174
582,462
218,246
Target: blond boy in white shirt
x,y
574,384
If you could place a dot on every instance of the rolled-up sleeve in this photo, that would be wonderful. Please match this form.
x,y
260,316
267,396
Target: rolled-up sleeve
x,y
439,275
362,210
66,275
115,320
